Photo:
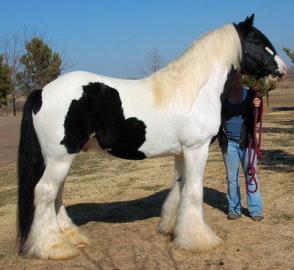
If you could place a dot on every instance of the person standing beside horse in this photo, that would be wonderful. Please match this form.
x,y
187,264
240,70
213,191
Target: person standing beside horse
x,y
236,132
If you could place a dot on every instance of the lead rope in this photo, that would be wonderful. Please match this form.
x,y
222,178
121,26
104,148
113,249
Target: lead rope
x,y
252,154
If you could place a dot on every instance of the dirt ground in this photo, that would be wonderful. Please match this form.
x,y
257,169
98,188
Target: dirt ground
x,y
9,136
117,204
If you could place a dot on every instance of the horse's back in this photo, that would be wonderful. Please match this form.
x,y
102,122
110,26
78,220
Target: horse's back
x,y
78,104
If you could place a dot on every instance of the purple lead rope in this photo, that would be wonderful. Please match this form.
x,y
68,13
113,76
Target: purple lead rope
x,y
252,154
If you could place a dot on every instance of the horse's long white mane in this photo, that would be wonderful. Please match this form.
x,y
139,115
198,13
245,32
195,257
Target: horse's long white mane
x,y
181,80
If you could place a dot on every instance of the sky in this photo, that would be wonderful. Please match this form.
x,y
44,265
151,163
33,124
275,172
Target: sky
x,y
114,37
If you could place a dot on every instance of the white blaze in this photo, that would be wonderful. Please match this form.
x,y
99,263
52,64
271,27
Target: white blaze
x,y
282,68
269,50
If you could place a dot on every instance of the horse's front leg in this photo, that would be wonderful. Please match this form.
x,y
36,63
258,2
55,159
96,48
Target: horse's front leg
x,y
191,231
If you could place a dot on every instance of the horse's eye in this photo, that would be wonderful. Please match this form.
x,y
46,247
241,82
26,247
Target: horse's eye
x,y
269,50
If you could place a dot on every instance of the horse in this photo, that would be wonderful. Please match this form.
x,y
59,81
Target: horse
x,y
175,111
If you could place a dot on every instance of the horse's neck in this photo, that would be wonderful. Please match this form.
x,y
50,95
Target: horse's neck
x,y
213,89
182,79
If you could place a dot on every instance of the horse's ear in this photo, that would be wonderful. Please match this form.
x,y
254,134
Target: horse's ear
x,y
247,24
249,21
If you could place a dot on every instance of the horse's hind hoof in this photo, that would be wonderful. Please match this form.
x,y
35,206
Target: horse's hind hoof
x,y
59,249
63,251
165,228
77,238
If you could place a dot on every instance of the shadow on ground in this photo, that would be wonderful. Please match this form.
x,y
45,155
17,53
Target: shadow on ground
x,y
282,109
278,130
139,209
277,160
287,122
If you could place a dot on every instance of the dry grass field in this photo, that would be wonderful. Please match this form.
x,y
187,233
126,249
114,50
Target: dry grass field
x,y
117,204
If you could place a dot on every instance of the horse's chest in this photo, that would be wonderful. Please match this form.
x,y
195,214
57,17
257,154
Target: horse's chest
x,y
202,124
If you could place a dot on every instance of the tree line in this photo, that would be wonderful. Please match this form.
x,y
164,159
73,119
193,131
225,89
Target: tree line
x,y
290,54
26,63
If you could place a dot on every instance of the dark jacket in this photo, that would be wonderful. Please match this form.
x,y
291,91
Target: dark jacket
x,y
247,128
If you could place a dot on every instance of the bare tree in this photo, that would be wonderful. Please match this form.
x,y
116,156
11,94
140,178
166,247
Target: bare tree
x,y
154,62
11,47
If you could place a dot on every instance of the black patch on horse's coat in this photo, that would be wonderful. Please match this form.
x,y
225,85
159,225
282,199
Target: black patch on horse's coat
x,y
99,111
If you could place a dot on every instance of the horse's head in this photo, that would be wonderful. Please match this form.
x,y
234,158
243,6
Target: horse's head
x,y
259,57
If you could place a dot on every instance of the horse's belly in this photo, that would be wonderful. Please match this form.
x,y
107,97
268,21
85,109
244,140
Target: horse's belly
x,y
130,154
160,146
161,136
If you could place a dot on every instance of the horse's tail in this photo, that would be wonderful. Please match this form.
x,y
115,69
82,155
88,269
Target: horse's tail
x,y
30,166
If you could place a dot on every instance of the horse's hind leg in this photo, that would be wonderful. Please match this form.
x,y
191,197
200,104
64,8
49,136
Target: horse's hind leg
x,y
46,240
170,207
71,230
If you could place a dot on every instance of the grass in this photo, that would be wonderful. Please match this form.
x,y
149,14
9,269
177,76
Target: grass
x,y
8,197
152,188
287,217
284,142
282,218
8,187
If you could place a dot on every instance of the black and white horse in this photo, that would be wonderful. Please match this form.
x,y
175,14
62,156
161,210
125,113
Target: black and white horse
x,y
175,111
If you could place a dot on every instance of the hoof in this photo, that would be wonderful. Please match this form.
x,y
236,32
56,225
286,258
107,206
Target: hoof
x,y
165,227
62,251
77,238
58,249
204,241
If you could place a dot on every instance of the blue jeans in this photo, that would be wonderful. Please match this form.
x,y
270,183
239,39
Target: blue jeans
x,y
232,157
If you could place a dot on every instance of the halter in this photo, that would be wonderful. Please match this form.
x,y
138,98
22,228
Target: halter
x,y
254,145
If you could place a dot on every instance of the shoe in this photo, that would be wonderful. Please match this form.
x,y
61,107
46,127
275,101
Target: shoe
x,y
257,218
233,216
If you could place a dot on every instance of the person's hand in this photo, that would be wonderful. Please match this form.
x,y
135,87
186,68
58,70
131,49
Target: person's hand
x,y
256,88
256,102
